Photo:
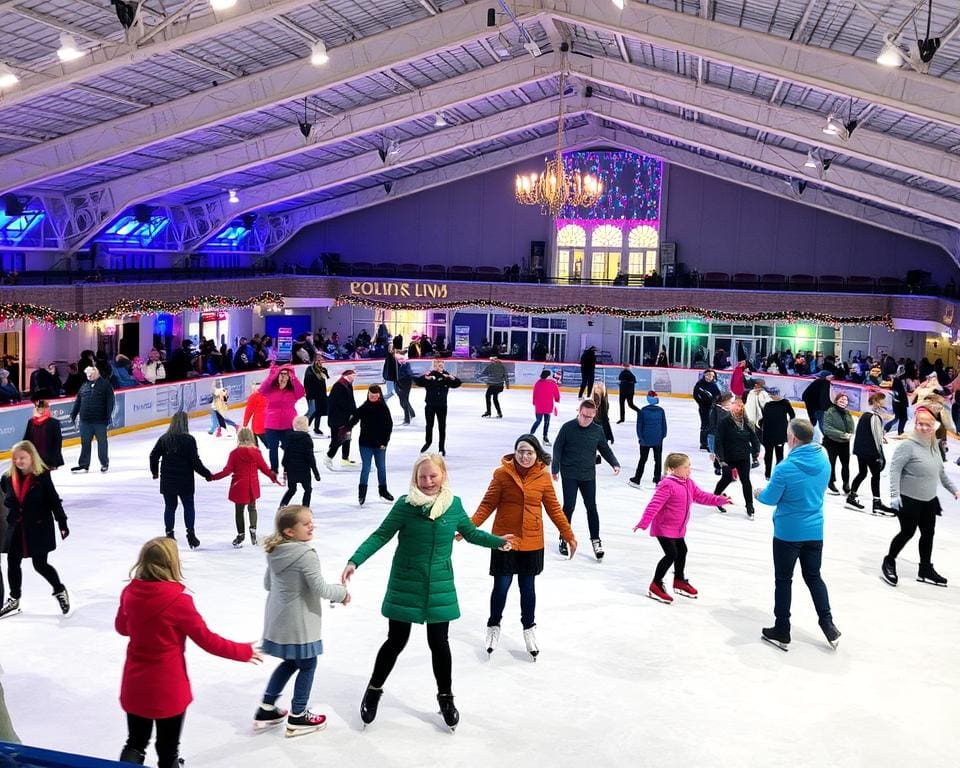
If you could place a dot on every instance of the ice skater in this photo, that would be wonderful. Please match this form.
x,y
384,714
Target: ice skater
x,y
315,388
735,443
497,378
916,470
421,588
837,432
44,432
376,426
705,394
667,515
94,406
776,415
574,454
219,412
546,395
243,463
868,443
174,459
341,406
292,623
299,462
599,396
158,616
796,490
33,507
651,432
519,493
255,412
438,383
282,389
628,384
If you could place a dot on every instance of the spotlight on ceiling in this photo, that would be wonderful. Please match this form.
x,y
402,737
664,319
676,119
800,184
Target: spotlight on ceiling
x,y
393,148
817,162
7,77
232,196
835,126
891,55
222,5
812,160
68,50
318,54
440,120
618,3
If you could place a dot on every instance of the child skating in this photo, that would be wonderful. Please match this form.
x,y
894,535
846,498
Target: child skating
x,y
666,516
243,464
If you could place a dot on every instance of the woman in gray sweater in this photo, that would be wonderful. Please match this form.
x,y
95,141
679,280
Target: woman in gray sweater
x,y
915,472
291,627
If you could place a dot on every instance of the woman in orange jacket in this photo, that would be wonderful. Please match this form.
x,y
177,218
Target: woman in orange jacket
x,y
254,414
519,492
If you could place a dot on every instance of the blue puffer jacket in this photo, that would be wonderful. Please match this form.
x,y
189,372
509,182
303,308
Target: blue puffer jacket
x,y
651,425
796,489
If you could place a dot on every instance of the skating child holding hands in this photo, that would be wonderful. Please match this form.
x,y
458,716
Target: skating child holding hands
x,y
666,516
243,464
292,623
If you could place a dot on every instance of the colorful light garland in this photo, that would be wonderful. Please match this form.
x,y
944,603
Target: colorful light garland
x,y
676,312
41,315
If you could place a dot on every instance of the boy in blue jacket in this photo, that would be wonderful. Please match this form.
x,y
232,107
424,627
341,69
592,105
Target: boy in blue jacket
x,y
651,431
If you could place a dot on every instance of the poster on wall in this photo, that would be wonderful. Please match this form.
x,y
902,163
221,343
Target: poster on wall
x,y
284,344
461,341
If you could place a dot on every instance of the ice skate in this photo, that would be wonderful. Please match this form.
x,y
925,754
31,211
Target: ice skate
x,y
831,632
10,608
685,588
385,494
493,638
361,494
131,755
303,723
253,537
349,464
832,489
927,575
777,638
888,571
192,539
879,508
635,482
238,541
328,463
368,707
597,548
658,593
853,503
268,716
63,599
750,513
449,712
546,440
530,640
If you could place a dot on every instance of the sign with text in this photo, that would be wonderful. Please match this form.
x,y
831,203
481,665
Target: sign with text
x,y
461,341
421,290
284,343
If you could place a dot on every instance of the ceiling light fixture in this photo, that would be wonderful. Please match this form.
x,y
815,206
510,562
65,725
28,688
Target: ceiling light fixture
x,y
222,5
440,120
891,55
7,77
618,3
817,162
68,50
232,196
836,126
812,160
318,54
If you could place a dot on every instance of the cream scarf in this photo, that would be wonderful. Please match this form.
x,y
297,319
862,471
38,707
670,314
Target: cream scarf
x,y
438,504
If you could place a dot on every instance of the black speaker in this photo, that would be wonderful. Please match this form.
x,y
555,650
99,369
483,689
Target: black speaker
x,y
143,213
248,220
491,17
13,205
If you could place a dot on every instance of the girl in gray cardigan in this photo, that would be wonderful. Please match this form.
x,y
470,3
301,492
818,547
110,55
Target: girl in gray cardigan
x,y
291,628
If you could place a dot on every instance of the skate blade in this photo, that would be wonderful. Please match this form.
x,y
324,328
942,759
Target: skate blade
x,y
659,599
292,733
685,594
929,581
10,613
263,725
775,643
835,644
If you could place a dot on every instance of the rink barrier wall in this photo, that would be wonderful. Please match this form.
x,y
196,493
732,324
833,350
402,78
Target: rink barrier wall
x,y
22,756
153,405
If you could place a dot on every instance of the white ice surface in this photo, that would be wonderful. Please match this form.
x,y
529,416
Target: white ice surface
x,y
621,679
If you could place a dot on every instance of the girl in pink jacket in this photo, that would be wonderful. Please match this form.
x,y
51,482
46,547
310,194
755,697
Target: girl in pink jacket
x,y
546,394
666,515
282,389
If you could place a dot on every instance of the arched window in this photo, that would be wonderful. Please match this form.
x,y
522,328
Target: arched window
x,y
606,250
571,245
642,245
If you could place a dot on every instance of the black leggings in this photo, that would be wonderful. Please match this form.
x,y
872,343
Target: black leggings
x,y
838,450
657,461
493,393
874,467
397,637
675,554
743,471
40,565
168,737
769,450
915,514
292,482
238,515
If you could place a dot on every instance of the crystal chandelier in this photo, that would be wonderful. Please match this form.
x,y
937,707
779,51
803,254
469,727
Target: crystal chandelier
x,y
556,187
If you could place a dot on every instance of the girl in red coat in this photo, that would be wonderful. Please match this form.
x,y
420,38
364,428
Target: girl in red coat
x,y
158,615
255,412
243,463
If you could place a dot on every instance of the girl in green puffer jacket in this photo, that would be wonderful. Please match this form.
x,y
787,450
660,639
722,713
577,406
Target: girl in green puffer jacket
x,y
421,588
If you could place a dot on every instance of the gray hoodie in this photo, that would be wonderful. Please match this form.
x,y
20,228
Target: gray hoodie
x,y
296,590
915,470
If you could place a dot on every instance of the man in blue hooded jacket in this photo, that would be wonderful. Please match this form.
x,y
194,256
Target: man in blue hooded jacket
x,y
796,489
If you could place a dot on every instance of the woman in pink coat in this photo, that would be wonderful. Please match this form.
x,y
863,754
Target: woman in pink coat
x,y
282,389
666,515
546,394
737,384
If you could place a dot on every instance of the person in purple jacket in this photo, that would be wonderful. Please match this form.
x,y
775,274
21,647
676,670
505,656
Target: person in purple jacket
x,y
666,516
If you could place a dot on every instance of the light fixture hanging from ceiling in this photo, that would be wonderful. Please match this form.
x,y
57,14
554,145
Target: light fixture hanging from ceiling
x,y
817,162
232,196
891,55
222,5
318,54
69,50
555,187
8,78
618,3
837,126
440,120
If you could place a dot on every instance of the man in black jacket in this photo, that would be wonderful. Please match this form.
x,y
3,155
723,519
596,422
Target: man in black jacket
x,y
574,457
94,406
389,375
437,382
403,384
816,398
588,367
705,392
736,443
340,409
628,384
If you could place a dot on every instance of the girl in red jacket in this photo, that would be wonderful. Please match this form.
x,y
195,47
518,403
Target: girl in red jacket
x,y
667,515
243,463
158,615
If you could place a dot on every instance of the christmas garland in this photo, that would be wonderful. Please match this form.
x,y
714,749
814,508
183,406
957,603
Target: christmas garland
x,y
791,316
35,313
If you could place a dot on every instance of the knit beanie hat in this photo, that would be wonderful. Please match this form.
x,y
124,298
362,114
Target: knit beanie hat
x,y
652,397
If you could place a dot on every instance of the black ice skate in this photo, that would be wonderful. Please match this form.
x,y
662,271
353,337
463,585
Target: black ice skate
x,y
368,707
831,632
776,638
853,503
449,711
192,539
597,548
10,608
267,717
879,508
385,494
238,541
888,571
253,536
563,548
131,755
927,575
303,723
63,599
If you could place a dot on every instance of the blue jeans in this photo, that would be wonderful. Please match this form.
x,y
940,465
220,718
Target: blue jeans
x,y
379,455
785,556
546,424
170,510
87,433
274,438
498,599
389,390
305,669
220,422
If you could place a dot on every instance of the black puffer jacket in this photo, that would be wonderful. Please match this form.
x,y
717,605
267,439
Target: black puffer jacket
x,y
376,423
175,459
94,403
299,460
340,404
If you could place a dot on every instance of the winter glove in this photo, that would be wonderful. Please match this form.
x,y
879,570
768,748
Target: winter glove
x,y
64,531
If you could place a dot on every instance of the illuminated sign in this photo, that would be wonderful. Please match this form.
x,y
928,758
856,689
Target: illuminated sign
x,y
423,290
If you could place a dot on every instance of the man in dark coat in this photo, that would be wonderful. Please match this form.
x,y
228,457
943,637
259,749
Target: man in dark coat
x,y
389,375
588,367
340,409
816,398
437,382
736,443
628,385
705,392
404,383
94,405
